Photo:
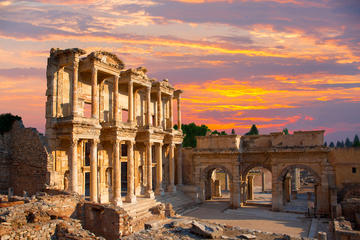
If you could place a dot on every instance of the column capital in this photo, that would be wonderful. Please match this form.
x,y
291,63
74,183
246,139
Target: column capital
x,y
95,140
74,140
76,64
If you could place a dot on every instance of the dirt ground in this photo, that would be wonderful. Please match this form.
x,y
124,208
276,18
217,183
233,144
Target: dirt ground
x,y
253,217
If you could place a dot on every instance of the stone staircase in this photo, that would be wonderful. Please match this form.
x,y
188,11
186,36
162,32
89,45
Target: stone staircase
x,y
140,211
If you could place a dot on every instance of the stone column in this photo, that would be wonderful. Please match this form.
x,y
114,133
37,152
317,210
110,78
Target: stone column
x,y
171,110
251,187
130,197
159,172
148,104
93,171
131,101
262,181
149,191
159,109
171,187
235,194
74,165
74,102
179,165
117,174
287,187
179,112
94,96
116,99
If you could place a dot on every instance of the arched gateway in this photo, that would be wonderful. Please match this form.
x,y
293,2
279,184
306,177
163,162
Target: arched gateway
x,y
281,154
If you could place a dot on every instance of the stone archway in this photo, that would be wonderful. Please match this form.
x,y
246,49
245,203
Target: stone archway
x,y
207,175
234,183
256,187
288,192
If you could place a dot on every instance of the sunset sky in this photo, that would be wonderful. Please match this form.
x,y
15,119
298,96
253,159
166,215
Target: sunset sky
x,y
274,63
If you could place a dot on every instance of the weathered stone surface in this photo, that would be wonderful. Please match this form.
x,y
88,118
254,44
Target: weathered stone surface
x,y
206,230
247,236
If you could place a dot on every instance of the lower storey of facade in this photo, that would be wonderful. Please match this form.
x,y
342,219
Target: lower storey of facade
x,y
113,170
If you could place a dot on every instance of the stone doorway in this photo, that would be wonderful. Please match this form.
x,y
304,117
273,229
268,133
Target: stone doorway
x,y
258,187
299,190
123,178
217,185
87,184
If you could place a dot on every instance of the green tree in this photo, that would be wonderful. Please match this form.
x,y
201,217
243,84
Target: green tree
x,y
338,144
348,143
215,132
218,133
356,142
190,131
6,122
233,131
253,130
325,144
332,145
285,131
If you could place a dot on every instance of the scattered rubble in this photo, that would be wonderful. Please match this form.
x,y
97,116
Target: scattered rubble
x,y
187,228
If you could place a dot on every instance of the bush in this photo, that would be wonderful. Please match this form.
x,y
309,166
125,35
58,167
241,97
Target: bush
x,y
6,122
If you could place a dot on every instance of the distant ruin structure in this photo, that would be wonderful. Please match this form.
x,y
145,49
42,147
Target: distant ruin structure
x,y
335,171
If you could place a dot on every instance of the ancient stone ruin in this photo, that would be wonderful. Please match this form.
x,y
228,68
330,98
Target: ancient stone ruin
x,y
111,161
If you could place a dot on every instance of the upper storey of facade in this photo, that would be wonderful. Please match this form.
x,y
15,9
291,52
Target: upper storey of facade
x,y
95,90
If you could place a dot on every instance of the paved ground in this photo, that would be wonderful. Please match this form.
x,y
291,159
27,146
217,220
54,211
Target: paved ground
x,y
253,217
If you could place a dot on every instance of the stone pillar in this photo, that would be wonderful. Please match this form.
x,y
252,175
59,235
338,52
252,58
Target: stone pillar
x,y
217,188
287,186
94,96
171,110
243,193
149,191
74,165
159,172
93,171
159,109
235,194
179,165
226,182
179,112
148,104
171,186
116,114
131,102
130,197
117,174
262,181
251,187
74,102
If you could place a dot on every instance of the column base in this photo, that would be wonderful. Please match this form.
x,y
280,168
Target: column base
x,y
117,202
171,188
159,191
130,199
94,199
149,194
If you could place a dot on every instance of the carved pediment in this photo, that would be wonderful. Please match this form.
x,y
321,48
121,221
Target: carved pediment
x,y
107,58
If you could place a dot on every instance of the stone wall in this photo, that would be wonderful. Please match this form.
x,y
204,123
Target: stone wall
x,y
345,162
43,217
218,142
280,140
25,164
4,161
187,154
107,221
